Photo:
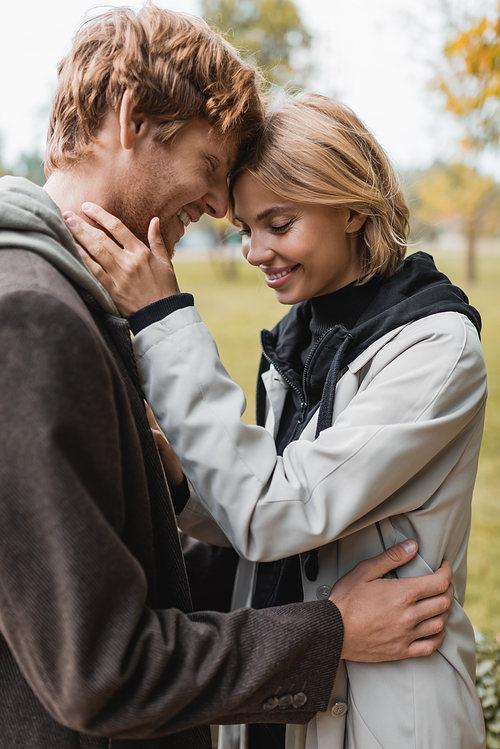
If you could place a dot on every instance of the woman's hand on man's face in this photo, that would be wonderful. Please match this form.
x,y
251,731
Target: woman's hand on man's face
x,y
133,274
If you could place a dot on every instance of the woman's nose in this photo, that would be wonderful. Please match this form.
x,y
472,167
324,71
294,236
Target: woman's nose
x,y
255,251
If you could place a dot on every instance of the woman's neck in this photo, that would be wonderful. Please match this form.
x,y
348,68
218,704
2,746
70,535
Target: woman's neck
x,y
343,307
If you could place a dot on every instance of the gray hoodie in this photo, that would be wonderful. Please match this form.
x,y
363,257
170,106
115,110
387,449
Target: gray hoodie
x,y
30,220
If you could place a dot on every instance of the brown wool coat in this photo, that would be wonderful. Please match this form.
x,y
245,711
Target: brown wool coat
x,y
97,645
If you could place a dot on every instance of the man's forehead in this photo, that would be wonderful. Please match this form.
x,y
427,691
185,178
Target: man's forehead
x,y
226,146
204,139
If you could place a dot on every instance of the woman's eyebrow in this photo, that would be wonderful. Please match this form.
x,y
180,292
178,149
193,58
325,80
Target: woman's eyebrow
x,y
275,209
268,211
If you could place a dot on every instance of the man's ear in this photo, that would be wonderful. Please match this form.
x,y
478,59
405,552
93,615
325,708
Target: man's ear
x,y
355,221
133,122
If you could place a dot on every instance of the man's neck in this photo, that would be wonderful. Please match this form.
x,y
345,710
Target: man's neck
x,y
69,189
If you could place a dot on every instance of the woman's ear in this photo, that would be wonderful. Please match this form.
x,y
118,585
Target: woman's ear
x,y
355,221
133,122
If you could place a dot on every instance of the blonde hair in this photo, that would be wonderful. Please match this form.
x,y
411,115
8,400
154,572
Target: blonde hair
x,y
313,149
176,68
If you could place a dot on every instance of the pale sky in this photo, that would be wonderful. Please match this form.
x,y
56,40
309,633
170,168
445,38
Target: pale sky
x,y
375,55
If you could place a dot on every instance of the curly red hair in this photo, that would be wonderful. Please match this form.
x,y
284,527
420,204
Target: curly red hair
x,y
176,68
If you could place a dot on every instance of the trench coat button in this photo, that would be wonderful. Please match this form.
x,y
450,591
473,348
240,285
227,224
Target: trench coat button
x,y
323,592
339,709
270,703
286,700
299,699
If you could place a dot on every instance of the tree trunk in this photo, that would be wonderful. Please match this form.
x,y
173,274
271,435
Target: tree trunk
x,y
471,234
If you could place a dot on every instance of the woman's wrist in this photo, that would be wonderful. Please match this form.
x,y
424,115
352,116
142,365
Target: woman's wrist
x,y
158,310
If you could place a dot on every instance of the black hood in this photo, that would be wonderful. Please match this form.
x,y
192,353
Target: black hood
x,y
416,290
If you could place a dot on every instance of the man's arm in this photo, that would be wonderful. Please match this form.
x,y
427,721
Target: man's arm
x,y
73,596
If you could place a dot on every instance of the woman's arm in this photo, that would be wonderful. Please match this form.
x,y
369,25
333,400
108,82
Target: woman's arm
x,y
196,521
426,388
348,478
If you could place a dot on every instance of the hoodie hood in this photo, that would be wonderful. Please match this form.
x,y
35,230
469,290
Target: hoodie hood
x,y
416,290
30,220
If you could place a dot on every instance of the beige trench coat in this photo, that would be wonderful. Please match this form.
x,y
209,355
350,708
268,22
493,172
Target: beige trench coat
x,y
402,451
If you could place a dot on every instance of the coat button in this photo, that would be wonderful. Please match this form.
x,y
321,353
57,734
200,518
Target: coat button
x,y
339,709
270,703
286,700
323,592
299,699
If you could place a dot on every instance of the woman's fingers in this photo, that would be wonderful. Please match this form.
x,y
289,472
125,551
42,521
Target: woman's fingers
x,y
94,242
171,465
151,417
156,242
134,274
128,241
96,269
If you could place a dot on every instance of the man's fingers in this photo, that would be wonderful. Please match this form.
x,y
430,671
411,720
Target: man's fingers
x,y
431,627
434,585
426,646
389,560
429,608
374,569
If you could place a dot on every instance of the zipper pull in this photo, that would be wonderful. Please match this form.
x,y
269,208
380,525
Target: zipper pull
x,y
303,407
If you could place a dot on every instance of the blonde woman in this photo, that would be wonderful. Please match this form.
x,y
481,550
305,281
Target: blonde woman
x,y
371,398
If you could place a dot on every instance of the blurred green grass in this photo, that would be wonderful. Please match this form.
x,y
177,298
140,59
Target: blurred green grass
x,y
235,309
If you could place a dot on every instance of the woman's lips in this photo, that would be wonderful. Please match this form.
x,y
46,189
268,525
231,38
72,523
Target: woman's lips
x,y
279,278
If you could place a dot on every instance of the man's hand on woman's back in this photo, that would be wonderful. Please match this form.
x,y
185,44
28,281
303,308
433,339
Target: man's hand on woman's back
x,y
389,619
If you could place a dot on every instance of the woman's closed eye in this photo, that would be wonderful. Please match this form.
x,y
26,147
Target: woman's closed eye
x,y
282,227
245,231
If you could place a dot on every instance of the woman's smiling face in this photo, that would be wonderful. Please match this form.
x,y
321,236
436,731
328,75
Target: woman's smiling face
x,y
305,250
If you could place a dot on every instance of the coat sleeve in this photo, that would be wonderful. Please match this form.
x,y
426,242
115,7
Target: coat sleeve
x,y
425,388
72,595
196,521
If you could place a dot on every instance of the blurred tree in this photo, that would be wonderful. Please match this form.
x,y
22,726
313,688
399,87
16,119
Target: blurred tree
x,y
471,81
3,169
420,231
30,165
270,31
448,192
225,252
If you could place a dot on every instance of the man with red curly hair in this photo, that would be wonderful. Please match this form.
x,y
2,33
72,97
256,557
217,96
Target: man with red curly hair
x,y
99,646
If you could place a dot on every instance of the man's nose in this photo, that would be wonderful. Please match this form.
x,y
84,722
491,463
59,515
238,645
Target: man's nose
x,y
215,202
